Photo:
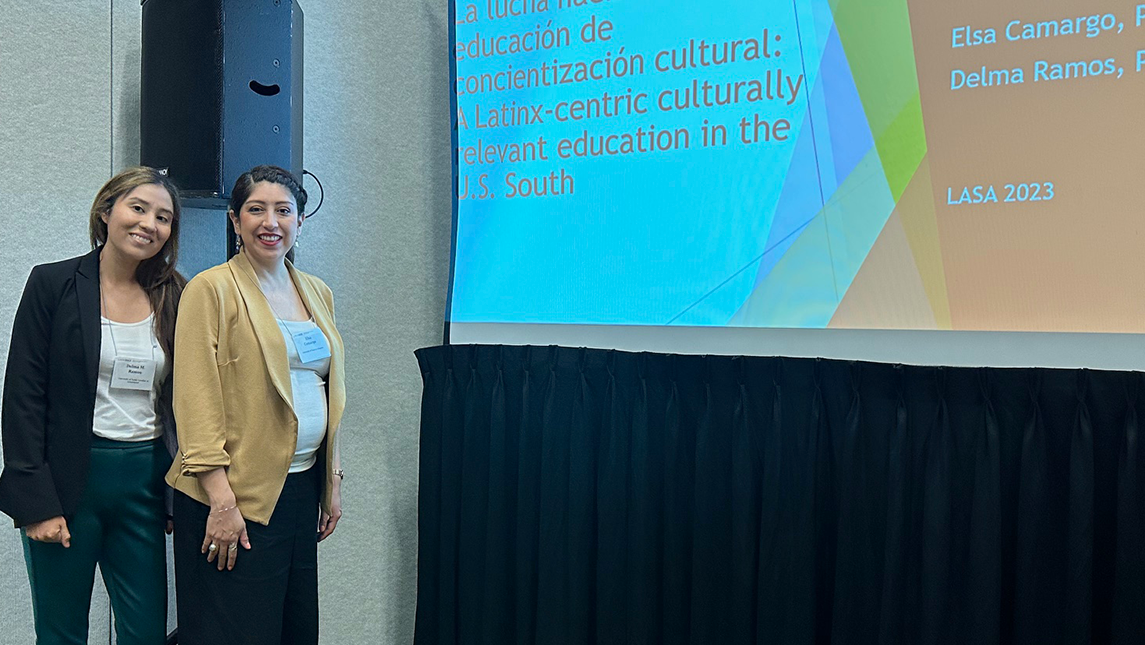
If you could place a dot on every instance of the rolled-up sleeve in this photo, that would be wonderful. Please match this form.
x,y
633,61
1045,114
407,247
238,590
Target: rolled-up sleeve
x,y
198,397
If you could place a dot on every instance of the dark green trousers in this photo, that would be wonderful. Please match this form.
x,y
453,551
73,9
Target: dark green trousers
x,y
119,525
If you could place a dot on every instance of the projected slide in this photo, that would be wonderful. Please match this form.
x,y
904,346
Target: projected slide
x,y
884,164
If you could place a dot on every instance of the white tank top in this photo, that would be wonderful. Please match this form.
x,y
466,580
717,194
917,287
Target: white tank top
x,y
308,387
122,414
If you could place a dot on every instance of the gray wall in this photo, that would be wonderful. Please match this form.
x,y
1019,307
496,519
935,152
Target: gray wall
x,y
377,134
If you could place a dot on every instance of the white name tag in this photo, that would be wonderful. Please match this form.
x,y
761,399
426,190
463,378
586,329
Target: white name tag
x,y
133,374
311,345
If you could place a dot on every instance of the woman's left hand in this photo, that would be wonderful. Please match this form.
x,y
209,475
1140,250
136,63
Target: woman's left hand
x,y
329,521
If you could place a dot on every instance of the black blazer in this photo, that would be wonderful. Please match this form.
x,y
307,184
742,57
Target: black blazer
x,y
49,391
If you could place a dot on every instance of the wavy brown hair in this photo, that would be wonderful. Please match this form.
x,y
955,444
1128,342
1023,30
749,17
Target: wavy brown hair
x,y
157,275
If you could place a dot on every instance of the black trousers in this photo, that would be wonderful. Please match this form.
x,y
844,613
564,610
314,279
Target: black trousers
x,y
271,596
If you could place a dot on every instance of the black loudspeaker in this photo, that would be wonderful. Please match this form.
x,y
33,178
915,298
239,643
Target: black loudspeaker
x,y
221,91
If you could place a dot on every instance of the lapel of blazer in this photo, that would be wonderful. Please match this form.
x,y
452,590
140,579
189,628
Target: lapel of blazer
x,y
87,295
265,325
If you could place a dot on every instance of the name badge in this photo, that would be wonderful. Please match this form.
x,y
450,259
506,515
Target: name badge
x,y
311,345
133,374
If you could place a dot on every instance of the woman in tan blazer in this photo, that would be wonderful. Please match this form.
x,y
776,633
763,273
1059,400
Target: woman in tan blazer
x,y
259,394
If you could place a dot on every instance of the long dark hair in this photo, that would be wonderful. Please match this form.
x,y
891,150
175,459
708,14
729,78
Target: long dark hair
x,y
157,275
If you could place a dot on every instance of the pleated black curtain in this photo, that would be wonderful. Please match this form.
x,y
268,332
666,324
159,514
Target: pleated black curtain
x,y
592,496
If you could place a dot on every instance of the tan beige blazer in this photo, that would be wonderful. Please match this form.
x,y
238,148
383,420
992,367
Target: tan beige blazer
x,y
232,396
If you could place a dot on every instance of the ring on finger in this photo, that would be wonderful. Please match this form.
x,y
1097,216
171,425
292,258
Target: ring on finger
x,y
234,546
212,548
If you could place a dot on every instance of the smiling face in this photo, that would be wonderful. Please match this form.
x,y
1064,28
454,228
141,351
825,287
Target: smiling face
x,y
139,223
268,223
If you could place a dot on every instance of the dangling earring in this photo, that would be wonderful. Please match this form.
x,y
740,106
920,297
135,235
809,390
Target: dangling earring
x,y
238,243
298,240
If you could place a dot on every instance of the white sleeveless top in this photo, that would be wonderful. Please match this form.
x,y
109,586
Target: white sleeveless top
x,y
121,414
308,387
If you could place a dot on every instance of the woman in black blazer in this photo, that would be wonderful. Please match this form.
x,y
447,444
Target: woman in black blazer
x,y
86,402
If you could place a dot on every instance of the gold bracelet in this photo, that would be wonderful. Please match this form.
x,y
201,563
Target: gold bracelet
x,y
339,473
223,510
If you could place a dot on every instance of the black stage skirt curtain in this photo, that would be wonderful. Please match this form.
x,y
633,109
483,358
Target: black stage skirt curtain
x,y
591,496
